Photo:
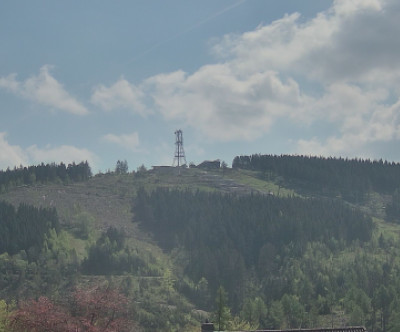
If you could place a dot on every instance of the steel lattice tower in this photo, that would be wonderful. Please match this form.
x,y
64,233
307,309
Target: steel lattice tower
x,y
179,152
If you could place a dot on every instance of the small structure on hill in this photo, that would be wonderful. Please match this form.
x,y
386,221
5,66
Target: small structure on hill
x,y
210,164
179,157
163,169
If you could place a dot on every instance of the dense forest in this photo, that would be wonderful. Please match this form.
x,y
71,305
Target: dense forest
x,y
32,260
110,255
44,174
25,228
246,244
352,179
283,262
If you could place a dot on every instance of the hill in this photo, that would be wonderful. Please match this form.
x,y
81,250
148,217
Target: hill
x,y
285,252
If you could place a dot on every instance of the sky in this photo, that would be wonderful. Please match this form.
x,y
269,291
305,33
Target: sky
x,y
112,80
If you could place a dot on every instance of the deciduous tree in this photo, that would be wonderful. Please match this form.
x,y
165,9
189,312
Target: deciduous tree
x,y
91,310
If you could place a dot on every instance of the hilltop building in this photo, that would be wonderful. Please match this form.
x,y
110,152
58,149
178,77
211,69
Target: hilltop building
x,y
210,164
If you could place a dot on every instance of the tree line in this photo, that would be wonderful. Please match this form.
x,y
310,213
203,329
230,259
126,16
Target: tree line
x,y
352,179
44,173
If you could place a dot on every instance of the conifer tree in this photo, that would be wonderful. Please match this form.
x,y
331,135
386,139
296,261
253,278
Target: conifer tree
x,y
222,314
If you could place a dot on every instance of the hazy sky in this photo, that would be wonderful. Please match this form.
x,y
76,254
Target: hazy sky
x,y
108,80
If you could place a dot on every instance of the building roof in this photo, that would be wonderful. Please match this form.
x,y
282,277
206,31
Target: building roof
x,y
207,326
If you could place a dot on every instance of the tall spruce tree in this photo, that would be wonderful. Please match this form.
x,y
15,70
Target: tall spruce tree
x,y
222,314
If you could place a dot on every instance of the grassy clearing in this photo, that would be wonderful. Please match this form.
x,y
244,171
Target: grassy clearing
x,y
252,180
388,230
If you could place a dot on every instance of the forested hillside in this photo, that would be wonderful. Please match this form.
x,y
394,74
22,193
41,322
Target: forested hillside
x,y
350,178
226,236
262,245
247,244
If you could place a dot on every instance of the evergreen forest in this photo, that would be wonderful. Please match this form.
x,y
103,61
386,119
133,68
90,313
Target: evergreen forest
x,y
44,174
351,179
274,242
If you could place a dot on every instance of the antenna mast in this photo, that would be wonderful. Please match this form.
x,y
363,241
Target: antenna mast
x,y
179,152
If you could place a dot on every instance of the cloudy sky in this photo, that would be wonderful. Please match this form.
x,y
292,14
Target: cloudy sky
x,y
109,80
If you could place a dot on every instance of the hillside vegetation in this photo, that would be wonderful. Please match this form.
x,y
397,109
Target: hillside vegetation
x,y
274,242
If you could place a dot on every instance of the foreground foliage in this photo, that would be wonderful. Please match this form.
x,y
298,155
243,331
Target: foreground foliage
x,y
93,310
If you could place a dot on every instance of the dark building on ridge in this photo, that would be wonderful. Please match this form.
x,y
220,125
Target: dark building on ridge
x,y
210,164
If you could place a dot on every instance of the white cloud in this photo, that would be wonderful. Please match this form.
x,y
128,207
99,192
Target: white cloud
x,y
45,90
127,141
354,40
10,83
339,69
10,155
357,130
14,155
221,104
121,95
364,45
346,7
64,153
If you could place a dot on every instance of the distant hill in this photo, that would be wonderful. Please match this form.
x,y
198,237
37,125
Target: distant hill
x,y
294,241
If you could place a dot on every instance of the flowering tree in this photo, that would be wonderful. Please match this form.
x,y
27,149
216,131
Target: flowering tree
x,y
102,310
40,316
93,310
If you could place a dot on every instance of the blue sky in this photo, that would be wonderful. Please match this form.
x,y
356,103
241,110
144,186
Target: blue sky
x,y
109,80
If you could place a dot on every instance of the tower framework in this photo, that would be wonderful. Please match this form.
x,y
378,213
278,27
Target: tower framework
x,y
179,157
